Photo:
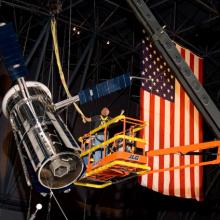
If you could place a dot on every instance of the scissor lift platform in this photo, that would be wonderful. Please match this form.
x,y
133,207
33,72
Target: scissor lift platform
x,y
120,163
114,166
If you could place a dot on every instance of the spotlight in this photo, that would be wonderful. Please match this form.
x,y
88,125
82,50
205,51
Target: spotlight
x,y
74,28
108,42
39,206
78,32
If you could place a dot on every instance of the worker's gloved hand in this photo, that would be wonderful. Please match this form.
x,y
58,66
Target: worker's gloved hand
x,y
83,119
122,112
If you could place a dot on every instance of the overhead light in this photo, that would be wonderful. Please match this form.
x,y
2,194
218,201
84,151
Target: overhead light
x,y
78,32
39,206
108,42
74,28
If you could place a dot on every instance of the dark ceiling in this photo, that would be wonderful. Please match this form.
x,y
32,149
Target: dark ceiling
x,y
192,23
84,29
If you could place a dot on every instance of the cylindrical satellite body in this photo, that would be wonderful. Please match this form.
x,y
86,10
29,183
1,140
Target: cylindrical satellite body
x,y
45,141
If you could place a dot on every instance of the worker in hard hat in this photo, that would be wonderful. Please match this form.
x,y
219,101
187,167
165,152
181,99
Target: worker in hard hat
x,y
96,121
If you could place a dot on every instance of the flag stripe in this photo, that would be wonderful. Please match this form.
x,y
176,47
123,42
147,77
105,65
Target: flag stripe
x,y
161,142
151,138
166,145
172,128
177,139
156,140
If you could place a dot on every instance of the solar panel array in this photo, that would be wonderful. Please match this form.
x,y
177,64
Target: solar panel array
x,y
11,52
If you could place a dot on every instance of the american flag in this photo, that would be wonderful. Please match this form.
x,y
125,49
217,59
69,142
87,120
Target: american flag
x,y
173,121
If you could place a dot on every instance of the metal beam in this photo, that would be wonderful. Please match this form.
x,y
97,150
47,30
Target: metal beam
x,y
71,6
40,37
25,24
206,6
157,4
203,23
183,73
108,17
42,54
99,62
82,84
133,51
79,64
114,23
187,20
117,5
28,7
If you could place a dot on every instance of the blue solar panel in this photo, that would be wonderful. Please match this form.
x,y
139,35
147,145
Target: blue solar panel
x,y
84,96
104,88
11,52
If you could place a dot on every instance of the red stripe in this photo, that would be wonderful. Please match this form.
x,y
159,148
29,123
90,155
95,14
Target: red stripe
x,y
151,136
142,110
161,144
142,134
201,71
172,110
191,135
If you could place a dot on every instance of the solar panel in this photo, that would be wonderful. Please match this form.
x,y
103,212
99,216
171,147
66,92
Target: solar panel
x,y
11,52
104,88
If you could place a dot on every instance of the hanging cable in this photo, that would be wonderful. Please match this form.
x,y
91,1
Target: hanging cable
x,y
58,204
62,77
49,207
52,195
63,57
68,68
52,74
29,204
27,35
85,204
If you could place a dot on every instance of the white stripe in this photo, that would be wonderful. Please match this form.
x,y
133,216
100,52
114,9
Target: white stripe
x,y
167,145
156,140
146,117
178,47
146,111
177,138
186,142
196,158
187,136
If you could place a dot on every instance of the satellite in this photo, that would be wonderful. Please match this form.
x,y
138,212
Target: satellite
x,y
50,155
